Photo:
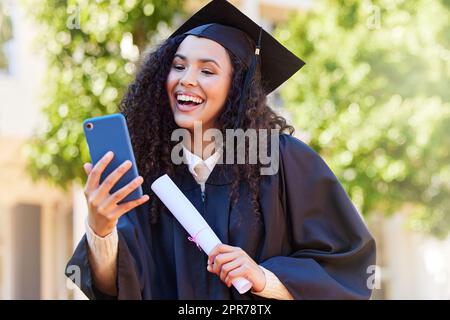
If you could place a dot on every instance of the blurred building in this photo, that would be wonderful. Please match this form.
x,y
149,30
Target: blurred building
x,y
40,225
35,219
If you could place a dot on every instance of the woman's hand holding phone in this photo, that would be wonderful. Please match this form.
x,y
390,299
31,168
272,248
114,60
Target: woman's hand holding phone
x,y
104,210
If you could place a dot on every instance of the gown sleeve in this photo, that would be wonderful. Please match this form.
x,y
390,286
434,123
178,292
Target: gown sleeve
x,y
330,246
132,260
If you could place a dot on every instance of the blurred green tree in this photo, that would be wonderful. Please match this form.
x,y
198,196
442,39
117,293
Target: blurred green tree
x,y
374,100
5,32
92,50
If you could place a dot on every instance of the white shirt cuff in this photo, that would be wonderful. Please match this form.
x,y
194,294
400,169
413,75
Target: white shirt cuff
x,y
103,259
274,288
102,248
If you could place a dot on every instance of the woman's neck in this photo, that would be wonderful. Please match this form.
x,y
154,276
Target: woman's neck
x,y
199,146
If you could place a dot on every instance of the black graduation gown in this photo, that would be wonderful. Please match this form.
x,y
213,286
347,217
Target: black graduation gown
x,y
309,235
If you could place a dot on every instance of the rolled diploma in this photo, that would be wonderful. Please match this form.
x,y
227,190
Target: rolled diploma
x,y
191,220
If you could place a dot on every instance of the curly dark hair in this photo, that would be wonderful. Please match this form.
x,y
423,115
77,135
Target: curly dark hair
x,y
151,122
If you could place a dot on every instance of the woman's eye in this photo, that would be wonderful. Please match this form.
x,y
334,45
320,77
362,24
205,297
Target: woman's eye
x,y
180,67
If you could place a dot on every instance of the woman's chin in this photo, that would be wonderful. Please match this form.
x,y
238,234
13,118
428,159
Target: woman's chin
x,y
186,122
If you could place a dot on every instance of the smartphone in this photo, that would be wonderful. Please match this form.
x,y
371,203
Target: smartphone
x,y
110,133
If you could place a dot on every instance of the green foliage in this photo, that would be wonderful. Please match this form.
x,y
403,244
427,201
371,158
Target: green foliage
x,y
92,50
374,98
5,32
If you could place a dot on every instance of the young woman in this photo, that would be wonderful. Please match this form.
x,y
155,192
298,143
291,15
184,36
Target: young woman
x,y
294,234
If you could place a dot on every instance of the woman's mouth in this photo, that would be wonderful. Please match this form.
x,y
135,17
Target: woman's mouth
x,y
186,105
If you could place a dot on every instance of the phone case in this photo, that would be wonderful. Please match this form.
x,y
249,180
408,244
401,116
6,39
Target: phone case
x,y
110,133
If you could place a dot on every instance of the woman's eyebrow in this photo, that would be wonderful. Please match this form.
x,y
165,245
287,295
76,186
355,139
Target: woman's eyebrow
x,y
204,60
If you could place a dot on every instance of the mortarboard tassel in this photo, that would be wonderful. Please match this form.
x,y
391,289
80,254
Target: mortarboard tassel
x,y
247,81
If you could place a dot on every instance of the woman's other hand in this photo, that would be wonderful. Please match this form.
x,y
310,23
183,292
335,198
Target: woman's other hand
x,y
230,263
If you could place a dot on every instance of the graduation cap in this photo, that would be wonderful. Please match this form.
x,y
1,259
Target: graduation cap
x,y
225,24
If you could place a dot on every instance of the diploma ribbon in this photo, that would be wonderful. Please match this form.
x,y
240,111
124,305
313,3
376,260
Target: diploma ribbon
x,y
194,238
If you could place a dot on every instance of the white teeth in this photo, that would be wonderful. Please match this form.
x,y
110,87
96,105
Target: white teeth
x,y
183,97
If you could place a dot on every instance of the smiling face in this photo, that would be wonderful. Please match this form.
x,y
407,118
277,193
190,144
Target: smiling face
x,y
198,82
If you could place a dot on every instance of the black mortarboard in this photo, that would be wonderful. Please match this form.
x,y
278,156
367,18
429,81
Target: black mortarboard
x,y
223,23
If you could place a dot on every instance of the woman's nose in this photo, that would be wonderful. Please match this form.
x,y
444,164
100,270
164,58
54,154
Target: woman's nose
x,y
188,79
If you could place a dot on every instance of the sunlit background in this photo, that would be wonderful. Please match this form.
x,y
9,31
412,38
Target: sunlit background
x,y
373,100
